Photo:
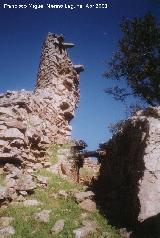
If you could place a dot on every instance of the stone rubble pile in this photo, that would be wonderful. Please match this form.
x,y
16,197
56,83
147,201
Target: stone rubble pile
x,y
31,121
19,183
43,216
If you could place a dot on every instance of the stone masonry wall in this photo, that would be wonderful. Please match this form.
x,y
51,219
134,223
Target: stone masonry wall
x,y
31,120
130,173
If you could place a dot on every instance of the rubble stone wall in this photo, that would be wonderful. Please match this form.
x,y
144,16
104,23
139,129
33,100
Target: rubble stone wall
x,y
31,120
130,173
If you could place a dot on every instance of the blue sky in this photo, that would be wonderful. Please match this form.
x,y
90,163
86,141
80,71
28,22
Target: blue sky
x,y
95,33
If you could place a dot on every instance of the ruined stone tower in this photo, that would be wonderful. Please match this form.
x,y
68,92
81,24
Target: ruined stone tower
x,y
58,80
29,120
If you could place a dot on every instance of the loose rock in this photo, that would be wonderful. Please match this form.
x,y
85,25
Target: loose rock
x,y
80,196
42,216
2,193
88,228
5,221
33,202
7,231
25,183
42,180
58,227
88,205
63,194
12,169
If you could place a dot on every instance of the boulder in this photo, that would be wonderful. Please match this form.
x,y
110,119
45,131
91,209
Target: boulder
x,y
130,172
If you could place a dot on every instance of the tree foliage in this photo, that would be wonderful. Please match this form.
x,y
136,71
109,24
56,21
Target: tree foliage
x,y
137,60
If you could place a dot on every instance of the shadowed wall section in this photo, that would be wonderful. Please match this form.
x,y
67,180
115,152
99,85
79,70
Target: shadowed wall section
x,y
130,172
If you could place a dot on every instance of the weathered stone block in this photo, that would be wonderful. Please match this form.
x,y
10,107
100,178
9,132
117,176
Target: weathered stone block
x,y
131,170
12,133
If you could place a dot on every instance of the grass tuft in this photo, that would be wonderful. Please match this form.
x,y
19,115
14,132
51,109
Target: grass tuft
x,y
2,180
